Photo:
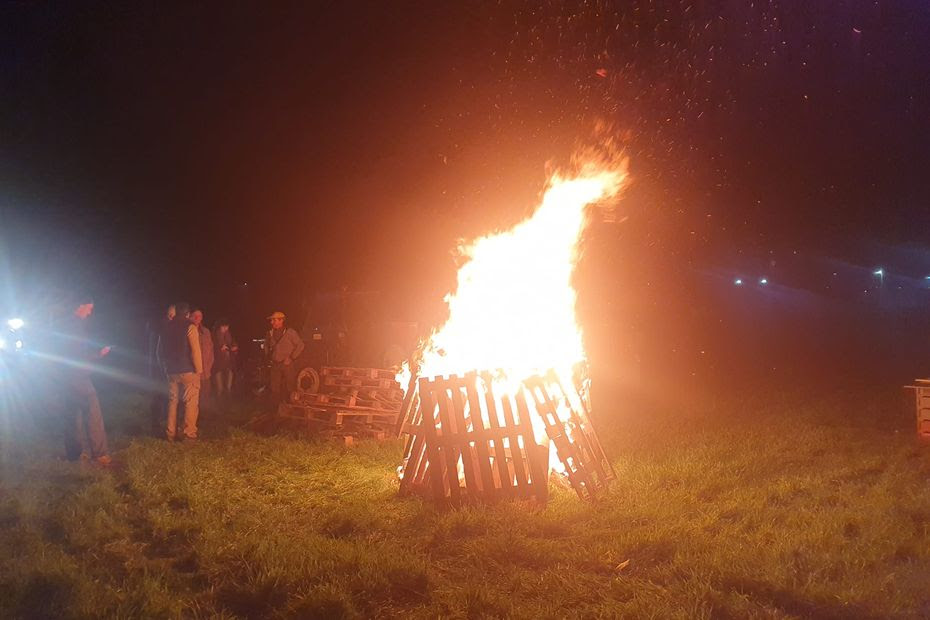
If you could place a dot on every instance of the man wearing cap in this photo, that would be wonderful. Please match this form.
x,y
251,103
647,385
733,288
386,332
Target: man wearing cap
x,y
159,404
282,347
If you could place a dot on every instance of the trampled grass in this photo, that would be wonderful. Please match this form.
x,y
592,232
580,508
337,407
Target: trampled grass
x,y
808,509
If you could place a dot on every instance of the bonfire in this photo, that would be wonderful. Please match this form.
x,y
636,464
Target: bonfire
x,y
498,397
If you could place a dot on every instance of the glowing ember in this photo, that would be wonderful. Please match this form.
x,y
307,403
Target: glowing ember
x,y
514,308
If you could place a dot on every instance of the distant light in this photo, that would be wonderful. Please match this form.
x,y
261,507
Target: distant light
x,y
738,282
19,344
763,281
15,324
878,272
926,277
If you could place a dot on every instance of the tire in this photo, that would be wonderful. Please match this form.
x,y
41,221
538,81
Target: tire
x,y
308,381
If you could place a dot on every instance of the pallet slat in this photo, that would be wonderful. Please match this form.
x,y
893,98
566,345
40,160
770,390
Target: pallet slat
x,y
483,456
465,450
503,479
436,470
449,448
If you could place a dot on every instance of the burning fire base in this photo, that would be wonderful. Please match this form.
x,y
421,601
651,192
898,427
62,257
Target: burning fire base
x,y
470,441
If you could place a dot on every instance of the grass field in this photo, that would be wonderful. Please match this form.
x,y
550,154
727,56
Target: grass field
x,y
811,508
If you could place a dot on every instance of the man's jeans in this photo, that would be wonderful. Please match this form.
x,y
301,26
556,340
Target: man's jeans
x,y
187,386
222,380
87,433
283,381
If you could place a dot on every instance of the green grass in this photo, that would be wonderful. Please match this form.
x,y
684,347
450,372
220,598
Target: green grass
x,y
801,509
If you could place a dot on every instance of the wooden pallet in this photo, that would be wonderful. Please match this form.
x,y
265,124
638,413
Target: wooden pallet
x,y
326,399
378,404
361,382
449,453
357,373
457,454
384,394
579,450
347,402
323,416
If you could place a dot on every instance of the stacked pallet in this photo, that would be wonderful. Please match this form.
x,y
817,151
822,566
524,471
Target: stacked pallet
x,y
369,388
466,443
352,402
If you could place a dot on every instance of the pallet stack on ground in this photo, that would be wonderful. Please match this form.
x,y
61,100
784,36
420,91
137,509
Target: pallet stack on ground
x,y
352,402
369,388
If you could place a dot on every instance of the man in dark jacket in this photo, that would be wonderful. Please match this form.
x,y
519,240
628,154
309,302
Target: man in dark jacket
x,y
179,353
224,358
82,407
159,403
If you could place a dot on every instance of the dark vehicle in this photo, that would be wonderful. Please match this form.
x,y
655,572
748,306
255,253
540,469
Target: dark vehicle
x,y
353,328
252,374
340,328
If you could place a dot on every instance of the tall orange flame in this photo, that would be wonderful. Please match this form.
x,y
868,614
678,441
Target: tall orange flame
x,y
514,307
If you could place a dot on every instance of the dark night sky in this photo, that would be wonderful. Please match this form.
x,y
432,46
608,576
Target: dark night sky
x,y
158,150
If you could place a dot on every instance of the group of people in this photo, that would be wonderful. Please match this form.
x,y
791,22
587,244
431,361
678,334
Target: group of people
x,y
188,364
191,359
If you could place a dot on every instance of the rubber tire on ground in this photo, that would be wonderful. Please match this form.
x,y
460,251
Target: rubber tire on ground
x,y
308,381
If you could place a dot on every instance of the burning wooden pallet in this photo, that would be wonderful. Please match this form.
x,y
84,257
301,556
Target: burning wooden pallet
x,y
586,466
467,443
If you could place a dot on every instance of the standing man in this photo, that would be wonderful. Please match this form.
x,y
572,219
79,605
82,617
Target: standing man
x,y
282,347
80,398
159,403
179,352
224,349
206,350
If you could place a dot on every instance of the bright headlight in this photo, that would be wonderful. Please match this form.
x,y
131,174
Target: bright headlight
x,y
15,324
